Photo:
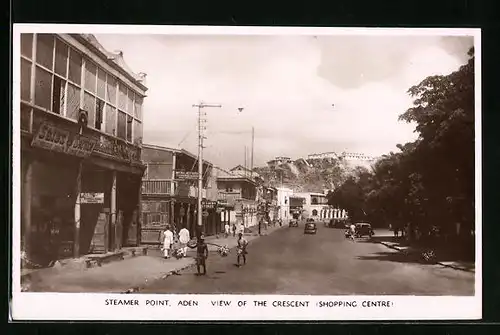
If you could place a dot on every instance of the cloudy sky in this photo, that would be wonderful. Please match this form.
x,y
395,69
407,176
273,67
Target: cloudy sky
x,y
286,85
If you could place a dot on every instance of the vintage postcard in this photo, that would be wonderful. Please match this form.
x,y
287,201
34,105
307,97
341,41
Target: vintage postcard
x,y
237,173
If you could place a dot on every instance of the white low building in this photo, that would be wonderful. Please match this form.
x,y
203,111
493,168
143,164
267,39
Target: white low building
x,y
283,200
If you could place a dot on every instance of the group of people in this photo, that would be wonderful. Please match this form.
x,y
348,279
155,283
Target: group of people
x,y
228,230
169,238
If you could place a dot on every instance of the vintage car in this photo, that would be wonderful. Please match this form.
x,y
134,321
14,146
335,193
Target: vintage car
x,y
293,223
310,227
364,229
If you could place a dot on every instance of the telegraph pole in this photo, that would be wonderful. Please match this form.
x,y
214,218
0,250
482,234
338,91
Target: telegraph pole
x,y
251,157
201,137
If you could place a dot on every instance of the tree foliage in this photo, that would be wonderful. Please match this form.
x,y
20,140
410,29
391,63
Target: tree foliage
x,y
429,182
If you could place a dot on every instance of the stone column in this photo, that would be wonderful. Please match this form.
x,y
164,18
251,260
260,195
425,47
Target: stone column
x,y
188,216
139,214
76,242
27,184
112,225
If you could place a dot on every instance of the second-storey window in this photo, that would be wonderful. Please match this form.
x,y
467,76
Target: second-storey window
x,y
59,73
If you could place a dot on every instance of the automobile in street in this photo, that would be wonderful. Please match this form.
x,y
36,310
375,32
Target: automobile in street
x,y
364,229
293,223
310,227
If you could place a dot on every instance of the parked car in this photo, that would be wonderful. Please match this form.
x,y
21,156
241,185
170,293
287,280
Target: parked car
x,y
310,227
293,223
364,229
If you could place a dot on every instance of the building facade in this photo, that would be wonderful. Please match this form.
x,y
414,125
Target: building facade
x,y
81,138
170,194
278,161
283,200
238,195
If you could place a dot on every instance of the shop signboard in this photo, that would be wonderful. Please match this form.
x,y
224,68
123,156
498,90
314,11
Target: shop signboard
x,y
92,198
53,138
183,175
208,204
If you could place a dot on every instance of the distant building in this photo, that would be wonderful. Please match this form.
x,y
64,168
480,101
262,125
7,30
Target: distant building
x,y
283,200
279,160
169,197
238,194
323,155
240,170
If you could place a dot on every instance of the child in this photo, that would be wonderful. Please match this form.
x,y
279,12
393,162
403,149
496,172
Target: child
x,y
201,255
242,249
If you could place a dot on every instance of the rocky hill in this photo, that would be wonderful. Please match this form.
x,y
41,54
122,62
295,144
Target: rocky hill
x,y
311,175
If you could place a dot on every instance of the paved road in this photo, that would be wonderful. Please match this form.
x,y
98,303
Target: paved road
x,y
289,262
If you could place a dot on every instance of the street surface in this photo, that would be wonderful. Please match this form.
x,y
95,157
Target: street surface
x,y
289,262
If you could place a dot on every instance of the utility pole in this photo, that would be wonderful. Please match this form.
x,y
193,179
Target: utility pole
x,y
251,157
201,137
245,162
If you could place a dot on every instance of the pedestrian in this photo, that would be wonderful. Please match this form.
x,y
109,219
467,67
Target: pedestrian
x,y
201,255
168,240
234,230
184,239
242,228
242,249
226,230
352,228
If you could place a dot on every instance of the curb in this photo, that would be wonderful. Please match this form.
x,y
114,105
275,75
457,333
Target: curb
x,y
456,267
439,263
162,276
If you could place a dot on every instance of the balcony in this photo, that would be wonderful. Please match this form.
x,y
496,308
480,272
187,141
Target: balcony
x,y
158,187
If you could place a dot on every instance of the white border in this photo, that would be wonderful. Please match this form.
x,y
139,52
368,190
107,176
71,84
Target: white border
x,y
52,306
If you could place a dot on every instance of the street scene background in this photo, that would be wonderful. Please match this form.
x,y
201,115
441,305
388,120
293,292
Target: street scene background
x,y
334,164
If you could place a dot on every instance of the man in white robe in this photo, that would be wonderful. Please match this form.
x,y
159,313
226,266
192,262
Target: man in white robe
x,y
184,239
168,240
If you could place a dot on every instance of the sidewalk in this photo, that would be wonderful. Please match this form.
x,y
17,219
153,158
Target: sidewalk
x,y
457,265
128,275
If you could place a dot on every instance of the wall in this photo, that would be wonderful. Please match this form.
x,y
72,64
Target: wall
x,y
284,211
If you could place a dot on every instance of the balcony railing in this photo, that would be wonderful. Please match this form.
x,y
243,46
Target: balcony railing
x,y
158,187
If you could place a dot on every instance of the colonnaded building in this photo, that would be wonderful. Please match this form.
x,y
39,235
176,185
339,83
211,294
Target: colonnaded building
x,y
81,124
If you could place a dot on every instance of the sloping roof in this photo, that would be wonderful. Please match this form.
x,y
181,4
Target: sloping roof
x,y
115,58
236,178
175,150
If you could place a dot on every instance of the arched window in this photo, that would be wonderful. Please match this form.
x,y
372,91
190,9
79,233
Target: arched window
x,y
314,212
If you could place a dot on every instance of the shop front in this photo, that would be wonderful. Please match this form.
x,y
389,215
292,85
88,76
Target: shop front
x,y
80,192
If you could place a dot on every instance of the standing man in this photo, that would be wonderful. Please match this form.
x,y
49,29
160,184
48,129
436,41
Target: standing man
x,y
168,240
201,255
242,228
226,230
242,249
184,239
353,231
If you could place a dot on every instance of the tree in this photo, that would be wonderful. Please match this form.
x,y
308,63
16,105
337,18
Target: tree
x,y
430,181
